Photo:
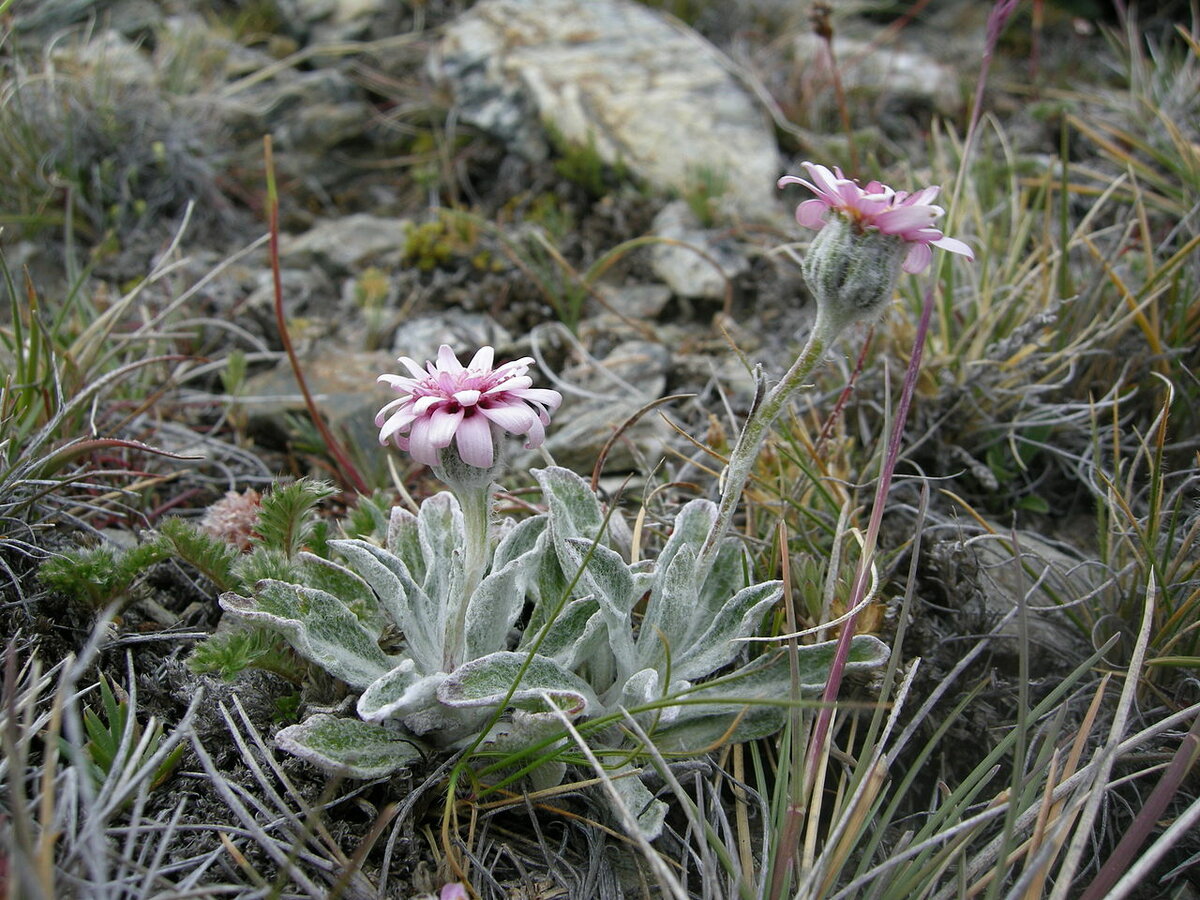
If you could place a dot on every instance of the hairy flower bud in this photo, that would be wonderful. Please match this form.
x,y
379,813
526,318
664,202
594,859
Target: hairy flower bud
x,y
852,273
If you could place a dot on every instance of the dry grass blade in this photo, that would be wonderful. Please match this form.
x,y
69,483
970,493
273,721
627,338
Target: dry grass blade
x,y
662,874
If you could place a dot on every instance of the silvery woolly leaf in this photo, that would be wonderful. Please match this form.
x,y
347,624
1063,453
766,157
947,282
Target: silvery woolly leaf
x,y
712,731
692,524
495,605
721,642
519,540
605,576
488,681
348,747
727,576
768,679
547,586
317,625
413,611
638,804
572,636
646,688
738,707
574,510
524,729
670,609
336,579
440,529
401,692
404,541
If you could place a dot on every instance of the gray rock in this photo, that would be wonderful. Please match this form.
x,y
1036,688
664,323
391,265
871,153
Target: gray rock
x,y
348,244
465,332
636,369
334,21
868,67
343,384
108,55
599,397
687,272
984,569
196,56
648,91
306,291
306,111
639,302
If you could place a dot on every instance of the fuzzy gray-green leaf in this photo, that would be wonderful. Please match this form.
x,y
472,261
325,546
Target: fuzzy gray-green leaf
x,y
639,803
440,528
318,625
770,677
485,682
495,605
574,510
710,731
404,541
572,634
336,579
729,574
606,577
416,614
401,692
721,642
522,538
348,747
670,609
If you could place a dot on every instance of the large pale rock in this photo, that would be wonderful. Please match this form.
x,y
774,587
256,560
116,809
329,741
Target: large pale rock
x,y
646,90
985,574
333,21
465,332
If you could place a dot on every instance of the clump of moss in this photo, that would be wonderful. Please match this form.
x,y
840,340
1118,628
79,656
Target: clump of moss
x,y
446,242
582,165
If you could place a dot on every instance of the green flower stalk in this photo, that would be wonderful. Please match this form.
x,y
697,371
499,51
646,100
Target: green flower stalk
x,y
866,237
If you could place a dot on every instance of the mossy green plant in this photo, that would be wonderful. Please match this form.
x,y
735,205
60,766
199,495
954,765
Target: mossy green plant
x,y
448,240
102,574
583,165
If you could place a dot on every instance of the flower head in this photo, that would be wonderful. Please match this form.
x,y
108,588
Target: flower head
x,y
878,208
234,518
468,405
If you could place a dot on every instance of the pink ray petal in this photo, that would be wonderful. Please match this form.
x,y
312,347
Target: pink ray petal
x,y
475,441
918,259
516,418
442,425
953,245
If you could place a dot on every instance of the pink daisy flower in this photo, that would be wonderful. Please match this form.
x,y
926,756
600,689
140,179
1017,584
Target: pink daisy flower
x,y
468,405
908,216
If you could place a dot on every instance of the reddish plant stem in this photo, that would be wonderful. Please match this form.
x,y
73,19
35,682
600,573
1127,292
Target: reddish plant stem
x,y
1147,818
862,575
844,397
348,469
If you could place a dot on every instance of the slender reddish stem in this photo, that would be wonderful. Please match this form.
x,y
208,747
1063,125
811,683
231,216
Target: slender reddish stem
x,y
332,444
862,575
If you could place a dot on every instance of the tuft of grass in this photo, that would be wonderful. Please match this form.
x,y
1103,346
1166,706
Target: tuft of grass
x,y
97,155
